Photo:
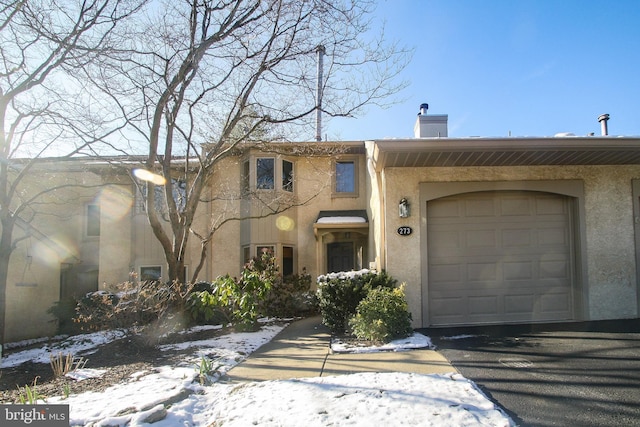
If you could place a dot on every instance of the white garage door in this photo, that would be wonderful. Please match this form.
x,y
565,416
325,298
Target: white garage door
x,y
499,257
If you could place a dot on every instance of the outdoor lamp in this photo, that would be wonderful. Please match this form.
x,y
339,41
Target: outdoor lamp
x,y
404,210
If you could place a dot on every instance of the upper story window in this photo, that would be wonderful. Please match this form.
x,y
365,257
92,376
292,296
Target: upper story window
x,y
178,190
265,173
287,175
93,220
246,176
346,178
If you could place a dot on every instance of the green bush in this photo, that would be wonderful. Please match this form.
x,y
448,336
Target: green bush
x,y
340,293
383,315
237,300
64,312
289,297
209,302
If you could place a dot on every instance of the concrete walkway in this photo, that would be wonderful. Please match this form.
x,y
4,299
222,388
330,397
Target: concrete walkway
x,y
302,349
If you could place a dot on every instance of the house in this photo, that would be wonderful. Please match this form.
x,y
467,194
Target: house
x,y
481,230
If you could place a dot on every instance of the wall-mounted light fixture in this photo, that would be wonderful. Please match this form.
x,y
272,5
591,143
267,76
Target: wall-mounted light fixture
x,y
404,209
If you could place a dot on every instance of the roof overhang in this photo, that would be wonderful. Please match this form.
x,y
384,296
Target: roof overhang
x,y
345,220
460,152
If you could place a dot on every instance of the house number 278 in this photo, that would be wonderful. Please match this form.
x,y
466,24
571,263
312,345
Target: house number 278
x,y
405,230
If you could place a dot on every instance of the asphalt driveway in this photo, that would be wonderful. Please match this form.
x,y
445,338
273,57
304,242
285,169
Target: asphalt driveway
x,y
555,375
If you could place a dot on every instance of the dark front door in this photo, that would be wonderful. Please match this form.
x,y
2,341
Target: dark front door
x,y
340,257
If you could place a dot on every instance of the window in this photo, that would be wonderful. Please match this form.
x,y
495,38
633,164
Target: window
x,y
93,220
246,175
287,175
287,260
270,173
265,173
246,254
153,272
345,182
265,249
178,190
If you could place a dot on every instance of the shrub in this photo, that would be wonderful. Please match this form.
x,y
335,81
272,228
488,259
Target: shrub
x,y
96,311
383,315
289,297
64,312
211,302
132,305
237,299
340,293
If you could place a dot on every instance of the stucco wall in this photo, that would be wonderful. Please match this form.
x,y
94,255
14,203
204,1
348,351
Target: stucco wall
x,y
611,291
56,235
33,287
116,203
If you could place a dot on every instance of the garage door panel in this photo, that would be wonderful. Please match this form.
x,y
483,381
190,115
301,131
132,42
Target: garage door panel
x,y
481,271
553,236
555,302
555,269
515,206
483,305
550,205
517,237
480,238
448,309
506,257
444,274
518,270
447,239
447,210
520,304
478,207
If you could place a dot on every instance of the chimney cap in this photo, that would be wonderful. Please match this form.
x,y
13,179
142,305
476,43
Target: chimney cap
x,y
602,117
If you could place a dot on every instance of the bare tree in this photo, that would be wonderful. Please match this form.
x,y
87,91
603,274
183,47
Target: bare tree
x,y
44,110
196,78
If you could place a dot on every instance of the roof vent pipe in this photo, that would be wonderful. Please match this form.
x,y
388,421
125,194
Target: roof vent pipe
x,y
320,55
423,109
603,119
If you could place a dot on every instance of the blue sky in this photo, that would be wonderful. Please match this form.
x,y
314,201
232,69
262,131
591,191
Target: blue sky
x,y
525,67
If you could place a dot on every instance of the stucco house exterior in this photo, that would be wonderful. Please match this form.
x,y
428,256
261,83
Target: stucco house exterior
x,y
481,230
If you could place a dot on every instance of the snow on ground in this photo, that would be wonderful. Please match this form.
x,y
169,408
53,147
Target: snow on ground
x,y
416,340
175,396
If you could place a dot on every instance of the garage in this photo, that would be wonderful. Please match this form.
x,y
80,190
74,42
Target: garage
x,y
499,257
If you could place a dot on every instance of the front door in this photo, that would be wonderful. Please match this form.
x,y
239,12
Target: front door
x,y
340,257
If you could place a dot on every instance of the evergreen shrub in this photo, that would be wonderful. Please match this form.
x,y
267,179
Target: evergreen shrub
x,y
236,300
290,297
340,293
382,316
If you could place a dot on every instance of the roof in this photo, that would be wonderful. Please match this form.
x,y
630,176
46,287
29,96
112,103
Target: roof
x,y
348,221
509,151
342,217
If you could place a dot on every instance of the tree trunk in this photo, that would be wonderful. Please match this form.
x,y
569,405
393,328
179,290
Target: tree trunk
x,y
5,255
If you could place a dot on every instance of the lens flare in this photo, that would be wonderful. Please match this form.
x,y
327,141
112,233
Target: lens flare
x,y
148,176
115,202
284,223
53,251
